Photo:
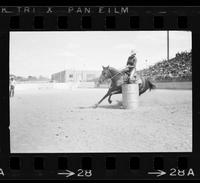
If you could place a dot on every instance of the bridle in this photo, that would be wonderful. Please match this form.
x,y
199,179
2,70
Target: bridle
x,y
111,77
115,74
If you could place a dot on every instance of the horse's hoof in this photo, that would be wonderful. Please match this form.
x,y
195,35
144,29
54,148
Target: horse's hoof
x,y
110,101
95,106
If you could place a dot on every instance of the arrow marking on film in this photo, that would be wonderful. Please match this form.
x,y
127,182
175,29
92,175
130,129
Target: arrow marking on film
x,y
68,173
158,173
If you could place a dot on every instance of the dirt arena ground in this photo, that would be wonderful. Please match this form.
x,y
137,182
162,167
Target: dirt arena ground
x,y
59,120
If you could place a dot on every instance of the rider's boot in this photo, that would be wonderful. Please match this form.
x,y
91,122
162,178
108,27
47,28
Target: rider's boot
x,y
133,80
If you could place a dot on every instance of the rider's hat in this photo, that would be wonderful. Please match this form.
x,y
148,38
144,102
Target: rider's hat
x,y
133,52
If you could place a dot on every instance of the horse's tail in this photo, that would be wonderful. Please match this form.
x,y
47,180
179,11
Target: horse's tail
x,y
151,85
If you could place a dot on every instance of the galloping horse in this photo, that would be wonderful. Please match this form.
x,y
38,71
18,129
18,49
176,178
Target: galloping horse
x,y
117,79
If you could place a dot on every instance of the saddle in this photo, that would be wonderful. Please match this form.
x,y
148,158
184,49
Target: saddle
x,y
137,79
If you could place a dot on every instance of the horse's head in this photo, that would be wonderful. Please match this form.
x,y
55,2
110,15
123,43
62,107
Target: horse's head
x,y
105,74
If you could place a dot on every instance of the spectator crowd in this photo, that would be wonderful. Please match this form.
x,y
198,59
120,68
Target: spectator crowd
x,y
178,68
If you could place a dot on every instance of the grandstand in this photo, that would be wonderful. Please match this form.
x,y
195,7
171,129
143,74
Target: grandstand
x,y
178,68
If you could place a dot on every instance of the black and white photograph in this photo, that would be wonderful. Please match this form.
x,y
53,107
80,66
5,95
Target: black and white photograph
x,y
100,91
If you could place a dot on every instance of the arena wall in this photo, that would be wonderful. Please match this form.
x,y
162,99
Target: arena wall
x,y
167,85
43,86
174,85
69,85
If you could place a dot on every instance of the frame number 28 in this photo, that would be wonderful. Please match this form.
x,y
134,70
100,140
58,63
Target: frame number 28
x,y
84,173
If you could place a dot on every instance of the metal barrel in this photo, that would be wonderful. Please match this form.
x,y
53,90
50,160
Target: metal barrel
x,y
130,95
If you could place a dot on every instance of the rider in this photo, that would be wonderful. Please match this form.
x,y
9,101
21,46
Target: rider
x,y
130,69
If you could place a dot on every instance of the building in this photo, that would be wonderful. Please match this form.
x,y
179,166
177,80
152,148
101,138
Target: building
x,y
75,76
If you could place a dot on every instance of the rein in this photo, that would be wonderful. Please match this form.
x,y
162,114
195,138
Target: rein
x,y
114,75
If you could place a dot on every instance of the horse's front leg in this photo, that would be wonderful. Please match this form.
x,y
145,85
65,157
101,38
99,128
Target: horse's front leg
x,y
106,95
113,93
109,99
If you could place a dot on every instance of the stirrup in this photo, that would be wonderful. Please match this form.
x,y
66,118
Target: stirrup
x,y
132,82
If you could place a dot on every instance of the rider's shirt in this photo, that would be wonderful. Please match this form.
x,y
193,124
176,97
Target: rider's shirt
x,y
130,66
132,61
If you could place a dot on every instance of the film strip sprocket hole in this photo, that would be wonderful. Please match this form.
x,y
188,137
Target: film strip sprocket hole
x,y
87,22
16,163
173,163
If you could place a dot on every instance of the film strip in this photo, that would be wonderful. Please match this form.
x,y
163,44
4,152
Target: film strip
x,y
105,165
96,18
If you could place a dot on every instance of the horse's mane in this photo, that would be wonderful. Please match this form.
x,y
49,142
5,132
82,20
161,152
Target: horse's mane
x,y
113,69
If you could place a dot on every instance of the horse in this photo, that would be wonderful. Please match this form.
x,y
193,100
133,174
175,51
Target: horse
x,y
117,80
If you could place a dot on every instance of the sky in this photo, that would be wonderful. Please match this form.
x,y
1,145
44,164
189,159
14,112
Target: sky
x,y
45,53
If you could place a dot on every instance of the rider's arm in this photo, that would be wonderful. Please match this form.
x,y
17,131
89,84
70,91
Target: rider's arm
x,y
130,66
125,69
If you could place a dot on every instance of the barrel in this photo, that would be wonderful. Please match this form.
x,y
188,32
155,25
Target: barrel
x,y
130,95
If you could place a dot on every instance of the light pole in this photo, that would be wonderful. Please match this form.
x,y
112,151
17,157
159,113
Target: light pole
x,y
167,45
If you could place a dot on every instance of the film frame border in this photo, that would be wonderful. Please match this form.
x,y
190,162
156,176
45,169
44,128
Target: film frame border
x,y
104,165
